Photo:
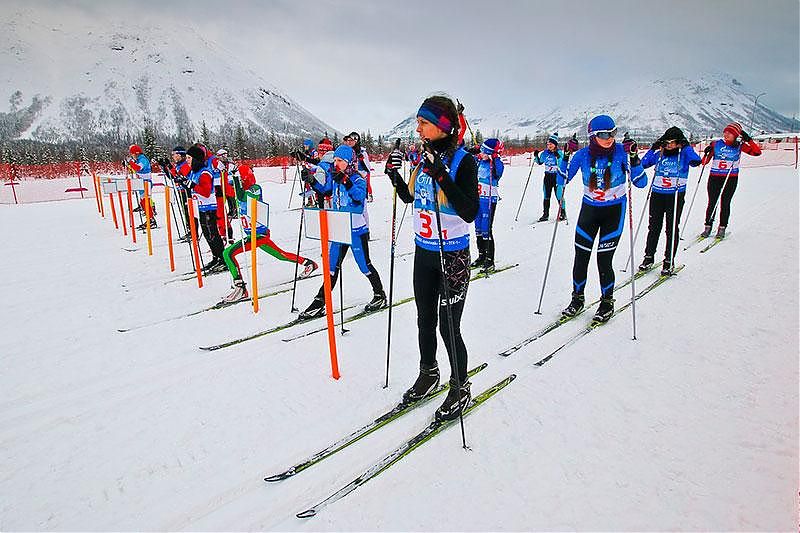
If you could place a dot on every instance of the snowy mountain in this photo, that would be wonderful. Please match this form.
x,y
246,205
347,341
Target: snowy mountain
x,y
117,77
699,106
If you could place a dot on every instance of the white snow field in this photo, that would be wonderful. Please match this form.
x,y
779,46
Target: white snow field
x,y
694,426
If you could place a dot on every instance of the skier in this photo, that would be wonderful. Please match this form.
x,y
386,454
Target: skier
x,y
201,184
228,169
490,170
724,155
353,140
412,155
263,240
456,193
139,163
553,182
672,156
603,165
178,169
336,176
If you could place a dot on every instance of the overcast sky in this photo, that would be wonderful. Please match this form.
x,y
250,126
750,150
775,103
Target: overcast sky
x,y
368,64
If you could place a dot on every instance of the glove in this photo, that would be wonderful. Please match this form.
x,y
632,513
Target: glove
x,y
459,107
474,150
746,138
339,177
632,147
433,165
536,154
708,150
635,161
657,145
306,176
567,155
300,156
395,159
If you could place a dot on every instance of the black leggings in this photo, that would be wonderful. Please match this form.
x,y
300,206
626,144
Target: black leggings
x,y
608,221
714,187
661,206
429,292
208,223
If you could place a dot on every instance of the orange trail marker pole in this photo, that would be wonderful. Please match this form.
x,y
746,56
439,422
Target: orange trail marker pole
x,y
197,267
130,209
253,247
169,229
147,210
326,277
122,214
113,210
96,191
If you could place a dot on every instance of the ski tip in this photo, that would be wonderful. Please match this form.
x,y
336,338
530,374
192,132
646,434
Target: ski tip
x,y
309,513
123,330
279,477
512,377
482,366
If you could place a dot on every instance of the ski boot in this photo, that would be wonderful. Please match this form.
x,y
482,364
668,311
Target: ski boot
x,y
478,263
721,232
451,408
647,263
543,218
185,238
153,223
214,266
378,302
706,232
427,380
562,216
315,310
238,294
666,268
575,306
309,267
604,310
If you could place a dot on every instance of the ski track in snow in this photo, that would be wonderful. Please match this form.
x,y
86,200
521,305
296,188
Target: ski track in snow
x,y
693,426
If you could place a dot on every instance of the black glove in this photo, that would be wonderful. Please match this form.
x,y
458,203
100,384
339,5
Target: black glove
x,y
433,165
474,150
657,145
708,149
339,177
632,149
635,161
567,155
536,154
746,138
306,176
300,156
459,107
395,160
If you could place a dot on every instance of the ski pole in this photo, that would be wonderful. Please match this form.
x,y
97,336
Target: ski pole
x,y
641,217
299,238
549,256
489,238
630,231
672,241
448,310
341,299
691,204
524,190
391,278
294,180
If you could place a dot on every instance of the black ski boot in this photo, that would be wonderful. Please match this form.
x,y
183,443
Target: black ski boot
x,y
666,267
721,232
488,262
575,306
647,263
478,263
706,232
378,302
545,211
214,266
562,216
451,407
605,309
315,310
427,380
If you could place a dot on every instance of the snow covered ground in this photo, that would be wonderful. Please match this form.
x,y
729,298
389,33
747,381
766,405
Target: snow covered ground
x,y
694,426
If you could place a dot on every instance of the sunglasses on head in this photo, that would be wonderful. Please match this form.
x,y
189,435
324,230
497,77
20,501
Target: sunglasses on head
x,y
606,134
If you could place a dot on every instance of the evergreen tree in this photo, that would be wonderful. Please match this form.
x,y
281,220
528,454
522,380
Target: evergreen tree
x,y
478,137
205,136
240,143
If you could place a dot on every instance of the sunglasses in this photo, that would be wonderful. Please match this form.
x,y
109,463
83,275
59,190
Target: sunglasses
x,y
605,134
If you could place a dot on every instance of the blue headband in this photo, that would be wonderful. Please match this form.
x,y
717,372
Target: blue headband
x,y
436,117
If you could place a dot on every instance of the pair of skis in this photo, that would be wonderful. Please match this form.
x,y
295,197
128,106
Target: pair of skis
x,y
434,428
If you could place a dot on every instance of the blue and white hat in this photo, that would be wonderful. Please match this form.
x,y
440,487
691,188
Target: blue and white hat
x,y
344,152
492,147
553,139
602,124
308,143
